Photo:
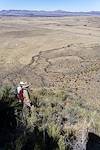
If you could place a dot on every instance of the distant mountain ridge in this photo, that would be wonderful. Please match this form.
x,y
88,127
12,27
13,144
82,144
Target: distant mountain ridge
x,y
42,13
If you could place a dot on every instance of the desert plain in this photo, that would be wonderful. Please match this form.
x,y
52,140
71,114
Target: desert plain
x,y
52,52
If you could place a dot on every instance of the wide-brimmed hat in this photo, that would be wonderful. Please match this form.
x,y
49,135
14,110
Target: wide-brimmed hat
x,y
22,83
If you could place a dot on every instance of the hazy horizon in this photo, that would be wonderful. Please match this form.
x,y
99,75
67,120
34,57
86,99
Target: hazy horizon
x,y
46,10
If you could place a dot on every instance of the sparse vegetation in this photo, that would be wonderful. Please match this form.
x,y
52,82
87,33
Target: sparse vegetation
x,y
52,124
62,66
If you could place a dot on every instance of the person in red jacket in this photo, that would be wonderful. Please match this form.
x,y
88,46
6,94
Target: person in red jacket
x,y
23,94
20,95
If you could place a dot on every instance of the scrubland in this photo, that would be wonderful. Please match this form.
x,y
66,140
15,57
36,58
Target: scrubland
x,y
60,58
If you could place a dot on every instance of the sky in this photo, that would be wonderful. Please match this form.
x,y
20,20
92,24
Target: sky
x,y
68,5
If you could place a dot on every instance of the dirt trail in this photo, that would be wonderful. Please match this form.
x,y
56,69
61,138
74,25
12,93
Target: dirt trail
x,y
47,65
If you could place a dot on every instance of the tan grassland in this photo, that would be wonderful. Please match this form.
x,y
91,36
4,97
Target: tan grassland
x,y
52,52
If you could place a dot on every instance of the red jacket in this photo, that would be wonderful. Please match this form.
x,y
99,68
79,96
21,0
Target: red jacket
x,y
20,95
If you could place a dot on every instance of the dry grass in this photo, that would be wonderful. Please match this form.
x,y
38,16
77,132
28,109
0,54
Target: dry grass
x,y
64,53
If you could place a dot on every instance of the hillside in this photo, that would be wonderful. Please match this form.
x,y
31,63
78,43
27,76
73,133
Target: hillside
x,y
52,52
60,58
